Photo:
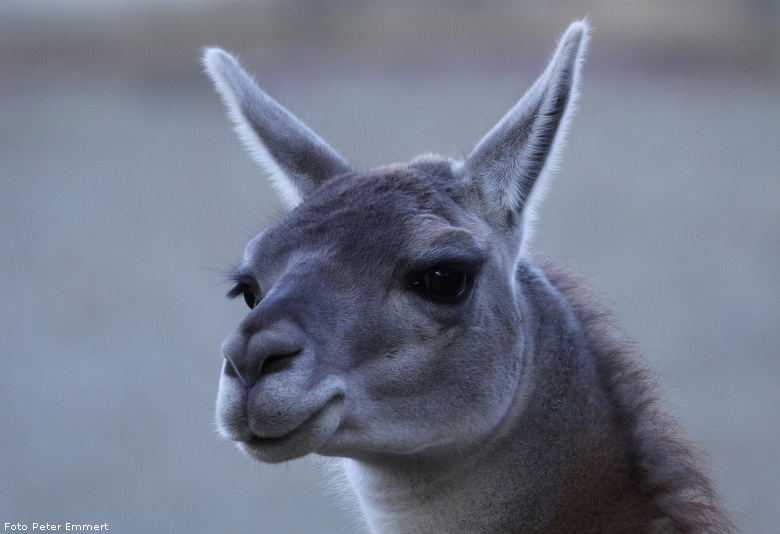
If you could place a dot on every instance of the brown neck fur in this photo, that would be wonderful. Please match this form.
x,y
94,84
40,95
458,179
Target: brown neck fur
x,y
632,471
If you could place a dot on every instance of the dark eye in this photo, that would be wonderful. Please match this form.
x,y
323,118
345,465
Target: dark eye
x,y
249,298
245,291
442,283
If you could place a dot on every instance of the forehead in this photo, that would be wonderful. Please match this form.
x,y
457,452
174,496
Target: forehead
x,y
368,216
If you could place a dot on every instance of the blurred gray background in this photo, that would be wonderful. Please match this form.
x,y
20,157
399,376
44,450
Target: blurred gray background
x,y
124,196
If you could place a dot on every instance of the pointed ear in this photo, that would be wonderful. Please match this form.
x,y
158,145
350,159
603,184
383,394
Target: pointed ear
x,y
296,159
509,164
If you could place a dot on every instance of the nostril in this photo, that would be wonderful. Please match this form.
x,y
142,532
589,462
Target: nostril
x,y
267,351
230,370
278,363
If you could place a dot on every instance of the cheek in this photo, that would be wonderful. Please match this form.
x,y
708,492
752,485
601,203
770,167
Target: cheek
x,y
416,383
417,399
407,351
452,367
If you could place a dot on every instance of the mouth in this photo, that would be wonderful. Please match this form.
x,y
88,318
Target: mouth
x,y
302,440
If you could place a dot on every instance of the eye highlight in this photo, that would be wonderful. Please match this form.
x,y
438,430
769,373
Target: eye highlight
x,y
446,283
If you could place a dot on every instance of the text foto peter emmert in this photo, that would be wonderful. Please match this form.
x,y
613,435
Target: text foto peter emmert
x,y
56,526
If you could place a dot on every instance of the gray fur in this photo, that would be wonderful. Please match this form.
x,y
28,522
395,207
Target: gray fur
x,y
509,408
